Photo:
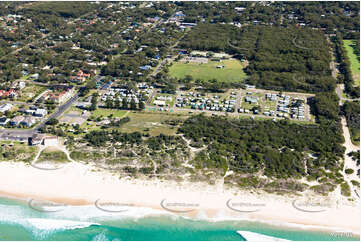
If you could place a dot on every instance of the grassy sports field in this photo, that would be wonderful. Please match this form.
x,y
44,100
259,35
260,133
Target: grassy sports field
x,y
232,72
355,62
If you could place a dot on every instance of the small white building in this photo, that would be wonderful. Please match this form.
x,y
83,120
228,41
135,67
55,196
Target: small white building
x,y
50,140
5,107
159,103
40,112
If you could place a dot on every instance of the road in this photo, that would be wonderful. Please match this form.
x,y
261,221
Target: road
x,y
339,91
238,101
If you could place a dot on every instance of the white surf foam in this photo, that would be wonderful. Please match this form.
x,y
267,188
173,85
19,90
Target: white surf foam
x,y
251,236
56,224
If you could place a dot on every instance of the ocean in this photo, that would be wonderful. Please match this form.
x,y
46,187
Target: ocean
x,y
19,221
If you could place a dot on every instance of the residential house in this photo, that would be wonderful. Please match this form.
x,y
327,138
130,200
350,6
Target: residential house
x,y
40,112
28,121
10,93
3,121
16,120
60,94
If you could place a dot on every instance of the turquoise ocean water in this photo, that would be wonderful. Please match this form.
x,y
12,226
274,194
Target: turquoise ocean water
x,y
18,221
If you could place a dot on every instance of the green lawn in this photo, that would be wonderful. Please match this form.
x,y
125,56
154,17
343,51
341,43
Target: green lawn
x,y
106,112
232,72
355,62
272,105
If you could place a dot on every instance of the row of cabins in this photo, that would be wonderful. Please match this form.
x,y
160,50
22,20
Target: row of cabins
x,y
286,106
161,100
298,112
283,106
121,93
271,96
206,104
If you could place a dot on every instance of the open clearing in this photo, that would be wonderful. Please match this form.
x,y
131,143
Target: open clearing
x,y
355,62
232,71
30,92
106,112
153,123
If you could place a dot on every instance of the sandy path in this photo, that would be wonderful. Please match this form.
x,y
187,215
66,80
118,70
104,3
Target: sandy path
x,y
349,162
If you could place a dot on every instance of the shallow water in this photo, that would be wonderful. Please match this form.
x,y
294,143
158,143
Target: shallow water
x,y
18,221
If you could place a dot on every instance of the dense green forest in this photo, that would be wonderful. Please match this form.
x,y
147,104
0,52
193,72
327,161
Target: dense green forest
x,y
276,149
210,37
291,59
325,106
267,145
351,110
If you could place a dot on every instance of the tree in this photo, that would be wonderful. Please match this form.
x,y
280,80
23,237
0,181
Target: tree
x,y
109,103
141,105
94,102
125,104
133,105
52,121
117,104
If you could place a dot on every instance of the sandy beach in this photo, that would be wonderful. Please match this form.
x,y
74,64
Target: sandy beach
x,y
79,184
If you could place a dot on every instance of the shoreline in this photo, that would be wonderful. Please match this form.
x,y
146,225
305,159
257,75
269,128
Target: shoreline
x,y
79,185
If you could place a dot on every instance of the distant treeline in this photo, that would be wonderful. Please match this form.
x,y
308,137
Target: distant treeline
x,y
63,9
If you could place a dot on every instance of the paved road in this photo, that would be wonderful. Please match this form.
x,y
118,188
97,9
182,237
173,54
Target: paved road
x,y
16,134
61,109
